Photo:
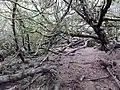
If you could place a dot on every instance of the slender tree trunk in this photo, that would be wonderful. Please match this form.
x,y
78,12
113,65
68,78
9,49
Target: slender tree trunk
x,y
28,42
13,25
22,33
14,31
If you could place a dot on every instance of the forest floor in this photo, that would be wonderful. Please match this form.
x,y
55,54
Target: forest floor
x,y
81,70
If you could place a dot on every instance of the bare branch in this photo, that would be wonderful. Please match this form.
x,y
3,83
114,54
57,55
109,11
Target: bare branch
x,y
80,35
103,12
95,4
109,19
22,6
79,13
69,5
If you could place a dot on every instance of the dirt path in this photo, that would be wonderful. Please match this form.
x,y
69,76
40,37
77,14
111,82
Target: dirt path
x,y
77,69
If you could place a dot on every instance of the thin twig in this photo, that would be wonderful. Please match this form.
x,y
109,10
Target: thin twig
x,y
114,77
95,79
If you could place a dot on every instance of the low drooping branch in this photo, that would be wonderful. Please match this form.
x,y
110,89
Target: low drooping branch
x,y
80,35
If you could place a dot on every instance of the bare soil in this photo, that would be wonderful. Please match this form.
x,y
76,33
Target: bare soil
x,y
82,70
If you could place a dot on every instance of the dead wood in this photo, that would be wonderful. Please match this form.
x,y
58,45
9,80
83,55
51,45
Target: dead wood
x,y
31,82
41,62
26,73
8,63
113,76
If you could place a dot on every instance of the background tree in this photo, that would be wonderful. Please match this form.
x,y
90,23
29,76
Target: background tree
x,y
42,24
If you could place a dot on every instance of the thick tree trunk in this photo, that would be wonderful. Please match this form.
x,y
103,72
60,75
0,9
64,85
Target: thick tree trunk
x,y
102,37
95,23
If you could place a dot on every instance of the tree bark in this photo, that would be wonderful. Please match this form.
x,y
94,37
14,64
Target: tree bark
x,y
95,23
14,30
28,43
